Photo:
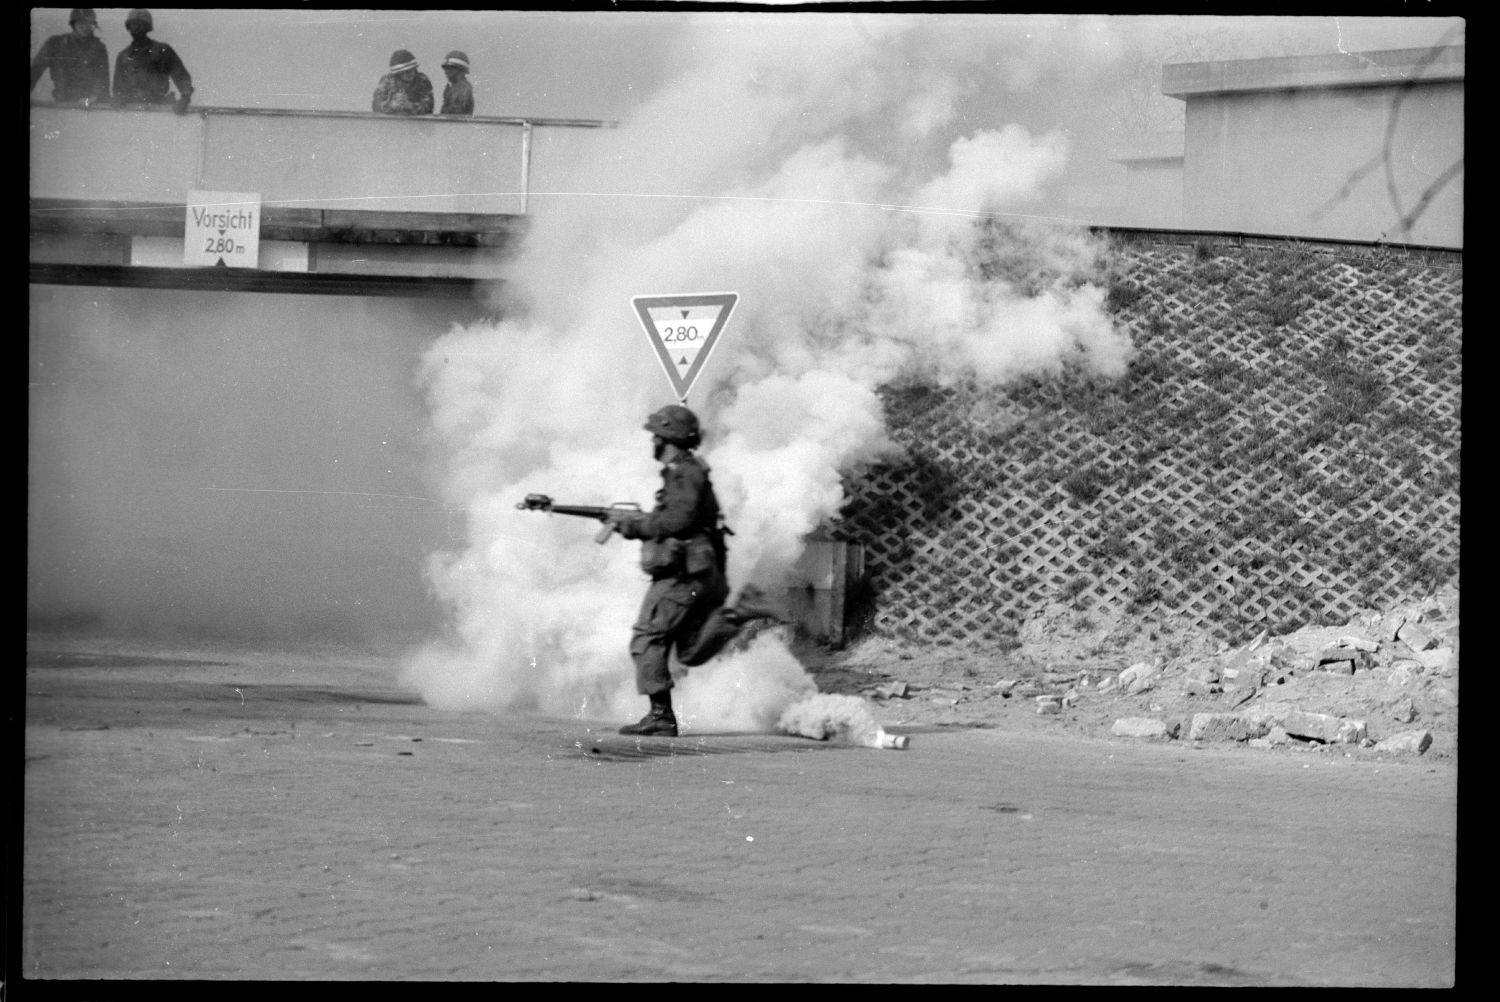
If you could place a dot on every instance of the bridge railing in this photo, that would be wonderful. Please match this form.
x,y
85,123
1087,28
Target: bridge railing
x,y
291,158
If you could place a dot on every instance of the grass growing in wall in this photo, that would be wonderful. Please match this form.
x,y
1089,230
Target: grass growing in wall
x,y
1283,449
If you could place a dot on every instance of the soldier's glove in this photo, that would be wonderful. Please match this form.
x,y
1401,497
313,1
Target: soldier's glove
x,y
181,106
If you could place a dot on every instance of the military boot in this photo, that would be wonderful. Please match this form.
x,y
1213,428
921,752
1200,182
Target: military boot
x,y
658,722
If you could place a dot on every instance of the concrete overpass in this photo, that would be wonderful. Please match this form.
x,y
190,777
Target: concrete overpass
x,y
351,202
206,459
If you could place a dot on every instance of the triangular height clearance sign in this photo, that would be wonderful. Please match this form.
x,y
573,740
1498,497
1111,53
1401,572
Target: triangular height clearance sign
x,y
684,329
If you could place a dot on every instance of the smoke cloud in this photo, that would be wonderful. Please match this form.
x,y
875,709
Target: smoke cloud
x,y
824,175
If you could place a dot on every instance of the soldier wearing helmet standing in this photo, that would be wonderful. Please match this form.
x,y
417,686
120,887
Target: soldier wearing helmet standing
x,y
458,93
683,550
404,90
79,62
145,70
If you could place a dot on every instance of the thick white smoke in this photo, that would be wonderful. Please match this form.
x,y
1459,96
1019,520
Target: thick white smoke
x,y
828,188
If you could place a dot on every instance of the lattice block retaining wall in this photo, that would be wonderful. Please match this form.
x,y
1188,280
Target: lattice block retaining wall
x,y
1283,450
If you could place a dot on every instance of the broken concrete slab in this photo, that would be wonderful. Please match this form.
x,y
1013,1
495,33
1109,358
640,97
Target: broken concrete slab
x,y
1310,640
1440,660
1416,637
1139,670
1323,727
1407,742
1142,727
1225,727
1343,659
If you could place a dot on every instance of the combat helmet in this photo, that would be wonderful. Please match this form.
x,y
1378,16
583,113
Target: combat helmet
x,y
402,59
139,15
676,424
85,14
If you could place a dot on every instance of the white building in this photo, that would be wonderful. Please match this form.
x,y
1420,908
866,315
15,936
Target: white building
x,y
1363,146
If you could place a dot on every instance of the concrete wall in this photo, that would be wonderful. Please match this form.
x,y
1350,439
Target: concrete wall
x,y
1153,192
1323,147
309,159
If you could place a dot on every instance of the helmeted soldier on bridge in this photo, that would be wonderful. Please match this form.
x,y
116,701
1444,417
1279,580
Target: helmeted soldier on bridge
x,y
458,93
146,70
404,90
78,61
684,552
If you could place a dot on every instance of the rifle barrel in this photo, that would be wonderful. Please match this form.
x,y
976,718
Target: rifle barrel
x,y
585,511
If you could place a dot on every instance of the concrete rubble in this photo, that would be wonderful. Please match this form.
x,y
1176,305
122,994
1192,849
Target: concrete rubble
x,y
1403,710
1396,662
1142,727
1351,687
1407,742
1139,677
1225,727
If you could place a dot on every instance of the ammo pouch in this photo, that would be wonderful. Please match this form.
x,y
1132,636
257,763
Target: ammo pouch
x,y
663,558
701,555
670,557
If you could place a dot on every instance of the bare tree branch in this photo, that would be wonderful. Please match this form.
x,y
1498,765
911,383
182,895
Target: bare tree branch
x,y
1384,158
1454,169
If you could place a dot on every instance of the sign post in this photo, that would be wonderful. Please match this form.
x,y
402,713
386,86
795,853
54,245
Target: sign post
x,y
223,230
683,330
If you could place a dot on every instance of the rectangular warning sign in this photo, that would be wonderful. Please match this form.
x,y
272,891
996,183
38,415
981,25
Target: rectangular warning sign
x,y
223,230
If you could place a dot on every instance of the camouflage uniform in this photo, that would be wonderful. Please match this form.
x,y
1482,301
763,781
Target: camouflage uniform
x,y
392,97
683,551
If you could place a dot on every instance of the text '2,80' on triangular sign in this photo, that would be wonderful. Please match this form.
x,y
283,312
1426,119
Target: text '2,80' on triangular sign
x,y
684,329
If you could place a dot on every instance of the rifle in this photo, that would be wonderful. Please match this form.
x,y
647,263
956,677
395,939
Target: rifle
x,y
541,502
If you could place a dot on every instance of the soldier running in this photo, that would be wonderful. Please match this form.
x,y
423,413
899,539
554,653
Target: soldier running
x,y
683,550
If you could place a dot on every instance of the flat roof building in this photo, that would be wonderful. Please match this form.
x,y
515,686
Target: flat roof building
x,y
1364,146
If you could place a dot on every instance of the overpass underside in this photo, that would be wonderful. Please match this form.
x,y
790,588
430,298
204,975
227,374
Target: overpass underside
x,y
328,251
345,202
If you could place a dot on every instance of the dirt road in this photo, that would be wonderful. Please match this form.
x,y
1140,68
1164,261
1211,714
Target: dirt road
x,y
281,816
